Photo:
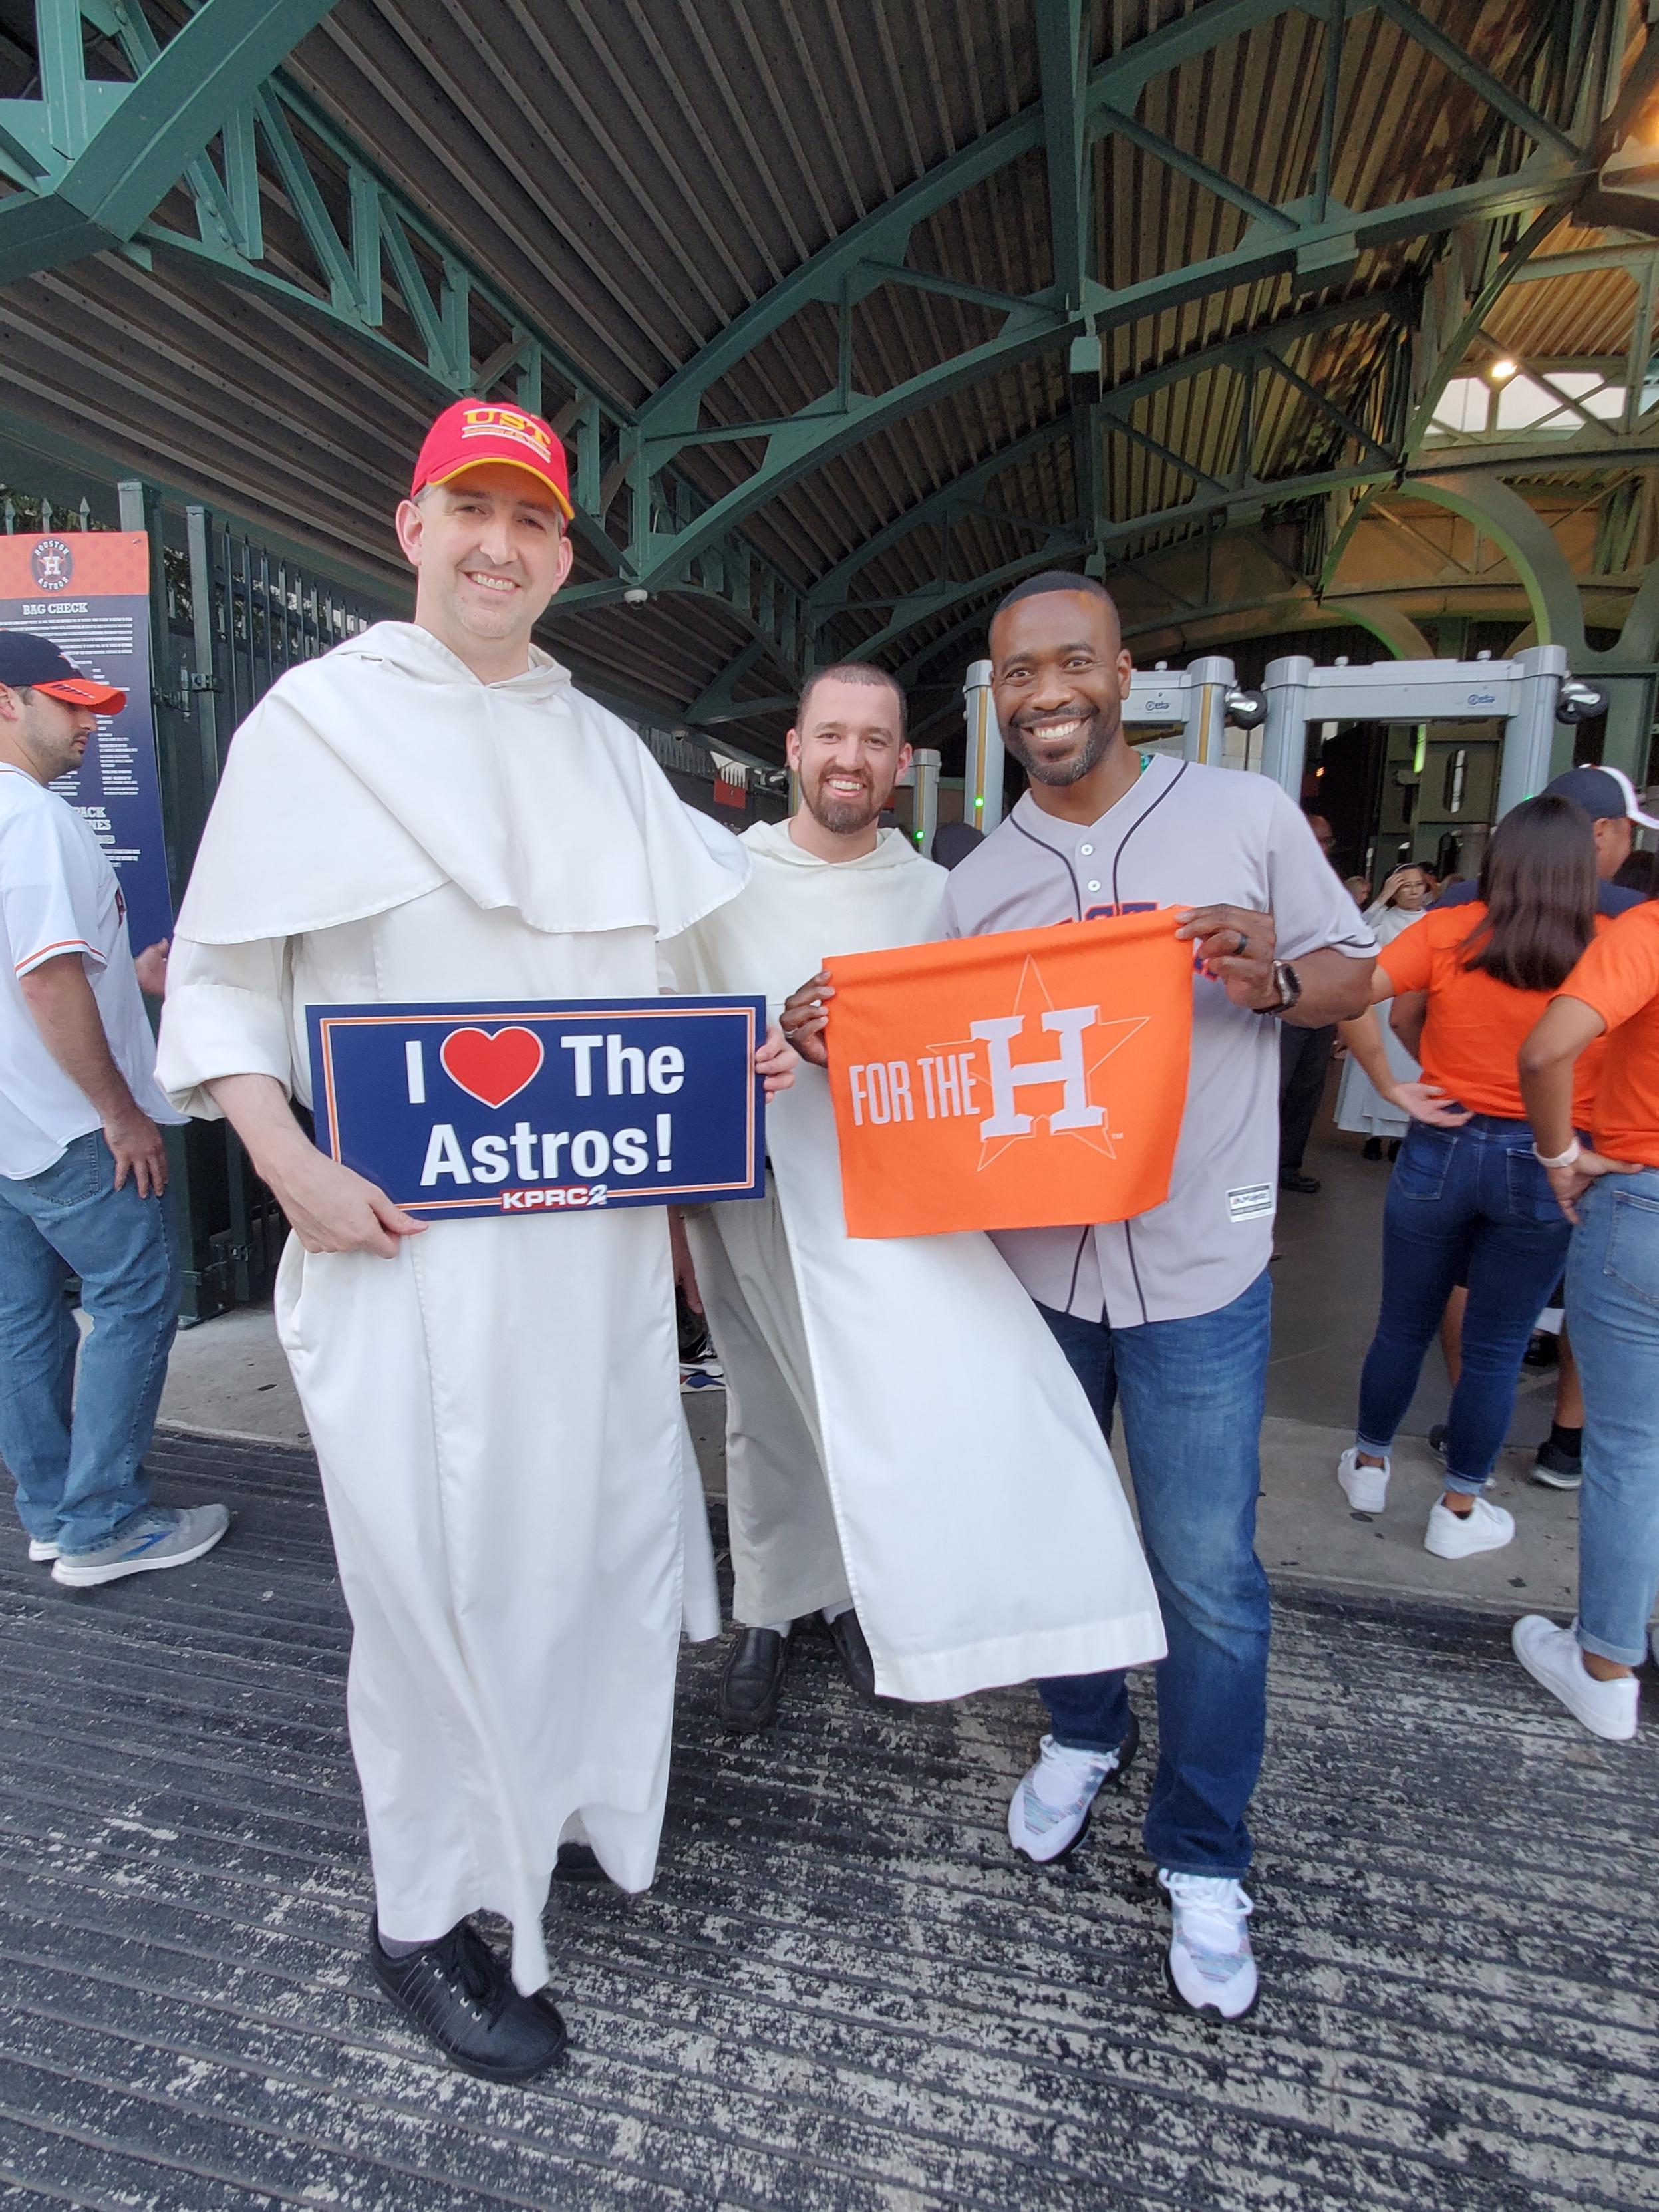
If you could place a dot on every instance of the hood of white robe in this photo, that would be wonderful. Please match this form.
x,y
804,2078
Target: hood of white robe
x,y
797,911
370,776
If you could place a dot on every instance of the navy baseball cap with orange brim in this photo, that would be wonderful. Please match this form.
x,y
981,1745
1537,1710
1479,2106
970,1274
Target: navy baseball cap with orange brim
x,y
32,663
476,433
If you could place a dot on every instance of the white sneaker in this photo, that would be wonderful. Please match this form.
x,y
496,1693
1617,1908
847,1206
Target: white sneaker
x,y
1211,1966
1460,1535
1049,1810
165,1536
42,1548
1366,1488
1552,1656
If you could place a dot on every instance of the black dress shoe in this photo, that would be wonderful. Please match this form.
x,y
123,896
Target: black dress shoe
x,y
458,1991
1293,1179
847,1636
753,1680
1371,1149
578,1862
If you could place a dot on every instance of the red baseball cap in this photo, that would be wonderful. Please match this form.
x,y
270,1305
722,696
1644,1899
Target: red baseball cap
x,y
35,664
475,432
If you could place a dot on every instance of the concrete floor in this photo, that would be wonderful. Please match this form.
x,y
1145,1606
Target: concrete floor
x,y
843,1992
228,1377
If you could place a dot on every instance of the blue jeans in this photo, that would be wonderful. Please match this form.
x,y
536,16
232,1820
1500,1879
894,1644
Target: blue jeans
x,y
1472,1199
1192,1394
79,1482
1612,1297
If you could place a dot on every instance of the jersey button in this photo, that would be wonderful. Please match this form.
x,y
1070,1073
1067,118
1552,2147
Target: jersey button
x,y
1094,887
1086,848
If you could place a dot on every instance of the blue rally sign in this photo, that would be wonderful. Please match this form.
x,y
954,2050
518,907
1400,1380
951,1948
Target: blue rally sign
x,y
552,1107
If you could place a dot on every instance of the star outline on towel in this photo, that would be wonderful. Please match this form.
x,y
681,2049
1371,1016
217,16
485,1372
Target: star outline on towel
x,y
1033,996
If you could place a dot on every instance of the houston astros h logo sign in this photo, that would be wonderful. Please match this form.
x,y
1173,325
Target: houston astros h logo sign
x,y
1075,1111
1033,1078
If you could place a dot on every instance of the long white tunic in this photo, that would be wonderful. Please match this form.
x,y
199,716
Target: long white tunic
x,y
1360,1106
902,1427
496,1411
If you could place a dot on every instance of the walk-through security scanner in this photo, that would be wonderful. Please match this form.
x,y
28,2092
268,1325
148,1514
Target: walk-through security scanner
x,y
1528,694
920,779
1201,701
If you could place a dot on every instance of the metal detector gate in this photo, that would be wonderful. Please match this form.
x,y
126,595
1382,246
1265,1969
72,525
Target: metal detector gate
x,y
1201,701
1528,694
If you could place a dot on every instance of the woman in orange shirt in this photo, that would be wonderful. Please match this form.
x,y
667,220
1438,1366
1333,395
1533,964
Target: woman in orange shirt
x,y
1609,1189
1467,1192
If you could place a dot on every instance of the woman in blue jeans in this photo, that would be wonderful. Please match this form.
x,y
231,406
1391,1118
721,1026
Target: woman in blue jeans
x,y
1468,1198
1610,1190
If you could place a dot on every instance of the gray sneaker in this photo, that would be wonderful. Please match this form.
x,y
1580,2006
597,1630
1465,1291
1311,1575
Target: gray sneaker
x,y
165,1536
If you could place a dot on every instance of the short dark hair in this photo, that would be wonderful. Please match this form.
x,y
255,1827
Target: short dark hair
x,y
1054,580
1537,879
850,671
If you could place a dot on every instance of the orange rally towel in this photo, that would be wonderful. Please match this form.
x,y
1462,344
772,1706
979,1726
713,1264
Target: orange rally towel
x,y
1027,1080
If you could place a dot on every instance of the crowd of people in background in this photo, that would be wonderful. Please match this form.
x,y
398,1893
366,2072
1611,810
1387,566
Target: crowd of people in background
x,y
1508,1059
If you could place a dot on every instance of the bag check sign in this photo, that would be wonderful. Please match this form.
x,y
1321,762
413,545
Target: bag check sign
x,y
1030,1080
549,1107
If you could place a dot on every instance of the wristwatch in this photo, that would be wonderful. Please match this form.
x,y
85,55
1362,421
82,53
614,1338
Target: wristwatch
x,y
1288,984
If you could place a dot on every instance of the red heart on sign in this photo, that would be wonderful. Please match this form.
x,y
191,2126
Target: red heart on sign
x,y
492,1069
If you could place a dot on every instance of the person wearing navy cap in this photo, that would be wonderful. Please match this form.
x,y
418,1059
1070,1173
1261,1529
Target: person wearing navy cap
x,y
1611,800
82,1170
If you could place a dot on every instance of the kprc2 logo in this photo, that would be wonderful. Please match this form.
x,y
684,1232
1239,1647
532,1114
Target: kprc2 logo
x,y
551,1107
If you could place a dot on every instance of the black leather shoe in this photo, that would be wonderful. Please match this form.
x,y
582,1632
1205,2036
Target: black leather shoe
x,y
577,1863
848,1635
458,1991
753,1680
1304,1185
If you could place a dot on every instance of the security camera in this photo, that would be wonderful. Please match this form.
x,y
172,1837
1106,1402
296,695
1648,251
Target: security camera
x,y
1580,702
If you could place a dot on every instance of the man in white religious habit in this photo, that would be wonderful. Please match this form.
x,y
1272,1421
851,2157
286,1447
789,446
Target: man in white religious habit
x,y
432,811
907,1450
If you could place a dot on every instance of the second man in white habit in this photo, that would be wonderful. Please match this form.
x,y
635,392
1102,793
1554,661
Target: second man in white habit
x,y
906,1452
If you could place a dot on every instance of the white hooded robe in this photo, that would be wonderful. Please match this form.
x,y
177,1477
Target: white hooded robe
x,y
496,1410
902,1427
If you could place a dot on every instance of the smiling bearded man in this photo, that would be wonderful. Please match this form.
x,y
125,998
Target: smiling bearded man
x,y
431,811
902,1431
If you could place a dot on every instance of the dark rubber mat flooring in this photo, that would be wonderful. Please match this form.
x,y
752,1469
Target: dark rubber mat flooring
x,y
843,1992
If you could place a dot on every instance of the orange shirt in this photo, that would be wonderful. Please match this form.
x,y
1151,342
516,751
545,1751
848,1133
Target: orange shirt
x,y
1475,1026
1618,976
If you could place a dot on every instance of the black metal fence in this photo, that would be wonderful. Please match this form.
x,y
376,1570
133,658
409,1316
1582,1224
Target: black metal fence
x,y
228,616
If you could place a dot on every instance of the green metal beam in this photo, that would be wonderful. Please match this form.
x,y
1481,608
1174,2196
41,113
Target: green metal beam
x,y
1447,476
1062,34
833,590
104,155
821,432
884,233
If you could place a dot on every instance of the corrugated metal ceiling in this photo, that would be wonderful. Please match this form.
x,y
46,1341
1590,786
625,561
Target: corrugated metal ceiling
x,y
635,173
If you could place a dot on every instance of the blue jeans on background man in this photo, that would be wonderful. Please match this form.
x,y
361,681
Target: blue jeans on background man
x,y
1612,1299
1192,1393
79,1483
1472,1197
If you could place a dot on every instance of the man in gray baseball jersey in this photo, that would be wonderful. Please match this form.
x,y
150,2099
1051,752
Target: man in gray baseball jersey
x,y
1167,1313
